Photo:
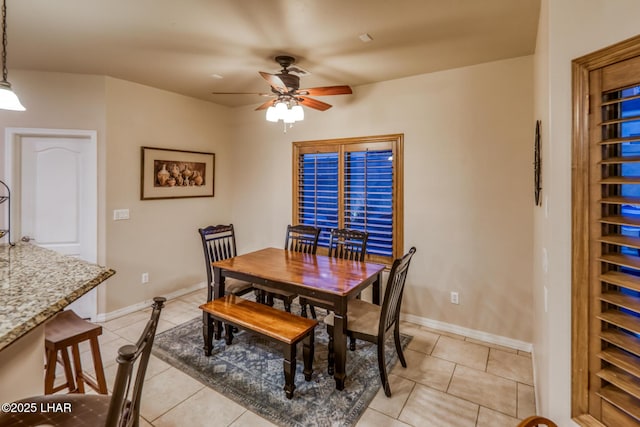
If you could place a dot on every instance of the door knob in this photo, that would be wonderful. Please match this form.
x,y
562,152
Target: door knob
x,y
26,238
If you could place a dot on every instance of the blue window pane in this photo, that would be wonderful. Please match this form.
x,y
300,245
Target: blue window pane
x,y
318,198
630,109
368,195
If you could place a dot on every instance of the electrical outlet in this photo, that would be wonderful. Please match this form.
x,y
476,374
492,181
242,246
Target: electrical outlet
x,y
145,278
454,298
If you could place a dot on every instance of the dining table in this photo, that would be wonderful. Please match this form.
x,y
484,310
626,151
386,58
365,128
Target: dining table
x,y
333,280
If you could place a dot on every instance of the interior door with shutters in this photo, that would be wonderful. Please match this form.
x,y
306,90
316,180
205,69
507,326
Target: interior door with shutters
x,y
614,244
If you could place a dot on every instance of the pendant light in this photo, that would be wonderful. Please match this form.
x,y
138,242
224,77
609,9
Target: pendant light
x,y
8,99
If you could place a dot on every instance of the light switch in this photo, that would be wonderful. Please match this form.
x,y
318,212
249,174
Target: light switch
x,y
120,214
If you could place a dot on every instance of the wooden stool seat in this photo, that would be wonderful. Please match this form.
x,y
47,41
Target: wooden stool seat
x,y
66,330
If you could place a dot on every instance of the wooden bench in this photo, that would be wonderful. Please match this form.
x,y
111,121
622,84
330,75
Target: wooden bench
x,y
275,325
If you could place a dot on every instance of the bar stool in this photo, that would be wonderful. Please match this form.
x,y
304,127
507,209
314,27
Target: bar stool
x,y
66,330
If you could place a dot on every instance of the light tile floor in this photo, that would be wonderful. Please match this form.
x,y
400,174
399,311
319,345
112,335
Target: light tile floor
x,y
450,380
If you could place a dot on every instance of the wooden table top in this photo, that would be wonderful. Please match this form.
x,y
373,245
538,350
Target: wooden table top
x,y
330,275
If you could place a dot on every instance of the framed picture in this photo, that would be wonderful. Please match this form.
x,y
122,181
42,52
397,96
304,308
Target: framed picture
x,y
171,174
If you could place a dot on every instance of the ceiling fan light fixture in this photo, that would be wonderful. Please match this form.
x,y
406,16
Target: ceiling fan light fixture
x,y
272,114
298,113
281,109
288,116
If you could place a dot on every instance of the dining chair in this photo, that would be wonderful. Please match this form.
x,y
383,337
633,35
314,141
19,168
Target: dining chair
x,y
219,243
536,421
371,322
299,238
343,243
121,408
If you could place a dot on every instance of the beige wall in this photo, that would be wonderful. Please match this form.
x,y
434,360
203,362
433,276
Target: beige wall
x,y
468,185
161,236
575,28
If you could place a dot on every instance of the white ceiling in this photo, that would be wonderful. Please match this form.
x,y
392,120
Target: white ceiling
x,y
178,45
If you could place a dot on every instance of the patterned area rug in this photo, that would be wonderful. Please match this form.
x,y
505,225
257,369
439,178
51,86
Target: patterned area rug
x,y
250,372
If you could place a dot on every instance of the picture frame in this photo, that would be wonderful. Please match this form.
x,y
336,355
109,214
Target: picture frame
x,y
171,174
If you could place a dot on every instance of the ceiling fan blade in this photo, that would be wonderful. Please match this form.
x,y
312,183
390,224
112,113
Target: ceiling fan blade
x,y
266,105
326,90
275,82
242,93
313,103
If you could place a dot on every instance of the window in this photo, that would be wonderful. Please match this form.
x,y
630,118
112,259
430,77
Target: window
x,y
606,237
352,183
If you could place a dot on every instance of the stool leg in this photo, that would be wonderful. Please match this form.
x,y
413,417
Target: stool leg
x,y
97,365
68,374
50,372
78,368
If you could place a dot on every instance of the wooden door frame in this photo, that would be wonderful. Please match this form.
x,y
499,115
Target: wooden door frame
x,y
580,219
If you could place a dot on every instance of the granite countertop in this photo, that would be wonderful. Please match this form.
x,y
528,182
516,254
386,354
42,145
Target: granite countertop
x,y
36,283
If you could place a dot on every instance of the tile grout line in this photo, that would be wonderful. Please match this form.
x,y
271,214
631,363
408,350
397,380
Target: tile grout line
x,y
404,405
179,403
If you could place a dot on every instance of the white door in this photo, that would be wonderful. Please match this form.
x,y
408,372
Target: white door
x,y
58,208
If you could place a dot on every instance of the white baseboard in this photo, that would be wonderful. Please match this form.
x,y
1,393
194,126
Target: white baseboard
x,y
471,333
105,317
430,323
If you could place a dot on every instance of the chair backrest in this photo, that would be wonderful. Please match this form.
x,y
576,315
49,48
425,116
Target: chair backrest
x,y
393,293
348,244
124,407
302,238
535,421
218,243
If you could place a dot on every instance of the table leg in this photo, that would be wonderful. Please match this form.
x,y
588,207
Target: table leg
x,y
340,348
376,289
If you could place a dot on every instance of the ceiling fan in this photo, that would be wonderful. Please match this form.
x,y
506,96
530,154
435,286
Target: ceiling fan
x,y
285,88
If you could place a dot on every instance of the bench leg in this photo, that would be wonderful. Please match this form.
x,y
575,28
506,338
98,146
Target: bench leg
x,y
208,326
308,349
289,369
228,333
